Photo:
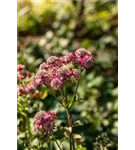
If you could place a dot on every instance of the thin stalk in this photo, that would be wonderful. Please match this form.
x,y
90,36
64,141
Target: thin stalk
x,y
104,148
28,125
75,93
27,140
57,144
70,139
67,111
39,146
28,132
73,142
64,95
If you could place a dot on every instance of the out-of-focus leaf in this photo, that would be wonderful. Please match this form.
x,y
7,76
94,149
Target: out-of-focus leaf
x,y
77,123
44,95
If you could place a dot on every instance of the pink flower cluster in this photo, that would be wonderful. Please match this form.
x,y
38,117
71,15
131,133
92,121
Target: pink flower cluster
x,y
20,67
55,71
29,87
22,73
32,86
44,121
84,58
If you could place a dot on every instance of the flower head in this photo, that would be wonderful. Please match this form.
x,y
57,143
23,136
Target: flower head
x,y
41,73
81,52
58,70
66,59
20,90
30,87
64,73
44,121
56,83
88,61
20,67
53,61
76,73
20,77
83,58
22,73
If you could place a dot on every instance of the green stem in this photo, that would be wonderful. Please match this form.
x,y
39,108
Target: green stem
x,y
70,139
104,148
66,99
67,111
63,97
73,142
27,141
39,145
28,128
75,93
67,107
57,144
63,91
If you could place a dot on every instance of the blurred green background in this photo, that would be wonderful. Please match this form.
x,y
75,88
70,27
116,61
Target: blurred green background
x,y
48,28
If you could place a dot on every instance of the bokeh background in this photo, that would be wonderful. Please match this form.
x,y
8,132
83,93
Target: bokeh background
x,y
46,28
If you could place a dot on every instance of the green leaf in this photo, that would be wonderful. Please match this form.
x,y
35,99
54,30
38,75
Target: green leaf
x,y
63,139
77,123
44,95
23,114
